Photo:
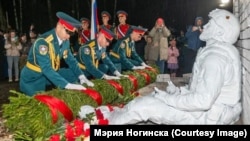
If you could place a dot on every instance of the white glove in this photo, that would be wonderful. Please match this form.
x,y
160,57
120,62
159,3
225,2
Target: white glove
x,y
89,83
171,88
83,79
108,77
145,65
118,74
138,67
74,87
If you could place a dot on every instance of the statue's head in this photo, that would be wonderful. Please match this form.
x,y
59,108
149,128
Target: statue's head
x,y
223,26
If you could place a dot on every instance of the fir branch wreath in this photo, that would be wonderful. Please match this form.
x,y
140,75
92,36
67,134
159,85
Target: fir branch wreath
x,y
29,118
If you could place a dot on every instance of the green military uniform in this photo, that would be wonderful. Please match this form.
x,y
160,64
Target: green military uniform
x,y
43,65
90,55
124,53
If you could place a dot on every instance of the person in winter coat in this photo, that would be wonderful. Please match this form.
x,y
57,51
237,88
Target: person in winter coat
x,y
193,43
160,34
13,47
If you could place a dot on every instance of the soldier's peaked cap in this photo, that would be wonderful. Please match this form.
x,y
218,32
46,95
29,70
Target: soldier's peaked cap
x,y
121,12
107,33
67,21
139,29
85,19
106,13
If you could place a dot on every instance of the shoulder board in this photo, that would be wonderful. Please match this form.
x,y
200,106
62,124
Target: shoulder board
x,y
91,44
49,38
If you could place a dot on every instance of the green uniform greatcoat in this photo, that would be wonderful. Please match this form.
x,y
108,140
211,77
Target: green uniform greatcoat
x,y
43,65
90,58
124,53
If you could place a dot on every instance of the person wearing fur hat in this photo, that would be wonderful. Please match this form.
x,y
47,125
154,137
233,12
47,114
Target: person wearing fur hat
x,y
213,96
48,51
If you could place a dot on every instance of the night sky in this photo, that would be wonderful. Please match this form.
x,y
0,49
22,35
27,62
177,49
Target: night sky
x,y
176,13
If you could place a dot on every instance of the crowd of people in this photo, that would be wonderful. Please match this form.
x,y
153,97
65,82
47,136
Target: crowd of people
x,y
211,97
115,49
14,50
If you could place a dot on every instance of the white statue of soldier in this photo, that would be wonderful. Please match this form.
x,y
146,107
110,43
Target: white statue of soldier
x,y
213,95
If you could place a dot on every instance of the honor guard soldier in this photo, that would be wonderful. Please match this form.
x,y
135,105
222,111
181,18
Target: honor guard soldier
x,y
122,29
123,53
84,34
92,53
43,62
105,21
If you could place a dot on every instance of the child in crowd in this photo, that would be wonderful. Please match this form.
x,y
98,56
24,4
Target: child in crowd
x,y
173,54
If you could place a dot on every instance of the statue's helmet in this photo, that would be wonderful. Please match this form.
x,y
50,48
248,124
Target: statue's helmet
x,y
228,24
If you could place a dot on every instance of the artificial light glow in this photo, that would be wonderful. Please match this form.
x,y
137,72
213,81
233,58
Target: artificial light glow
x,y
225,1
222,5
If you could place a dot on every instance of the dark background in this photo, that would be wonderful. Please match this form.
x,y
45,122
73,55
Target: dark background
x,y
176,13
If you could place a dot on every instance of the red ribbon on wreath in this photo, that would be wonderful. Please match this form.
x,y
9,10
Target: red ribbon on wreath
x,y
55,105
145,75
94,94
134,81
151,69
117,86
